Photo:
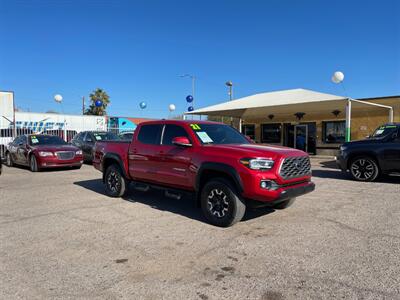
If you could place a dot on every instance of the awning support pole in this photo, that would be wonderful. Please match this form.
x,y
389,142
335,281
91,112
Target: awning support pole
x,y
240,125
348,120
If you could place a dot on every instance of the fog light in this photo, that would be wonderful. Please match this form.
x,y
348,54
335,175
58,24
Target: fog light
x,y
269,185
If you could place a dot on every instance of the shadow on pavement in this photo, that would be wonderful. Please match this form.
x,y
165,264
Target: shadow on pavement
x,y
186,206
337,174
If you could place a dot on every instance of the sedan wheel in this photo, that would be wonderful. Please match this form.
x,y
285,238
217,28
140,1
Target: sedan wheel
x,y
33,164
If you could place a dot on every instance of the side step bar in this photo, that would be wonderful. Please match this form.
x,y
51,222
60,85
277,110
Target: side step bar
x,y
168,192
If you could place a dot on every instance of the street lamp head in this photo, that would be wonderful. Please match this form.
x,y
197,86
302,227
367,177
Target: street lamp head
x,y
229,83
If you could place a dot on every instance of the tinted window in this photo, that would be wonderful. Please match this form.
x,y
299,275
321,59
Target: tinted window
x,y
45,140
173,131
249,130
17,140
150,134
79,136
271,133
334,132
383,131
218,134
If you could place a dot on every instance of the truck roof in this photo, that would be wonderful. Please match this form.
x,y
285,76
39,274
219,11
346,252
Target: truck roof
x,y
167,121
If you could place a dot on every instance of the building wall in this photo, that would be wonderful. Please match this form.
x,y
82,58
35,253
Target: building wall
x,y
364,120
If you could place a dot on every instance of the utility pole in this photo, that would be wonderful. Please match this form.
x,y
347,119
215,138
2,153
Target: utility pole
x,y
83,105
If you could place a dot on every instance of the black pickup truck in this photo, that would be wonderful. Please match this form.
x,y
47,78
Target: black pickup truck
x,y
379,154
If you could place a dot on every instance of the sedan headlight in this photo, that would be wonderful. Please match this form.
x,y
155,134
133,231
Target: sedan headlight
x,y
79,152
343,148
257,163
45,153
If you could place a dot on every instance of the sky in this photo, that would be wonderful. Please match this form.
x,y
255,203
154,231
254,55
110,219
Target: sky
x,y
137,50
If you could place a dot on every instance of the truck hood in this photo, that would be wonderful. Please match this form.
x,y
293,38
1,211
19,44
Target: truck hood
x,y
55,148
254,150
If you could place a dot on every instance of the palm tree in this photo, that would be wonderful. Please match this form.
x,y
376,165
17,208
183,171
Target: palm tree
x,y
98,94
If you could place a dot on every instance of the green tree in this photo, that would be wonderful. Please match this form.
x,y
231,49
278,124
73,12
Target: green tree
x,y
98,94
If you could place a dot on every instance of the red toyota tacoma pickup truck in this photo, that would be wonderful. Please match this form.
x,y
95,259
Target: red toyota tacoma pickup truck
x,y
223,169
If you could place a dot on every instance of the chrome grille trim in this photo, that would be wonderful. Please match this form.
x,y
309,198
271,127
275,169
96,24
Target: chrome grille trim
x,y
294,167
65,155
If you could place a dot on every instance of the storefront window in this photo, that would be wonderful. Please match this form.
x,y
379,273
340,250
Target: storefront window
x,y
249,130
271,133
334,132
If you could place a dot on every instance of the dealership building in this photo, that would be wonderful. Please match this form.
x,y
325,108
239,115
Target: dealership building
x,y
312,121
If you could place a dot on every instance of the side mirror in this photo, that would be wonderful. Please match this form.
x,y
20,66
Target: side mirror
x,y
181,141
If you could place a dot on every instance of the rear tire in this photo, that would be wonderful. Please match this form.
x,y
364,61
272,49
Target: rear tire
x,y
221,203
9,161
285,204
115,182
364,168
33,164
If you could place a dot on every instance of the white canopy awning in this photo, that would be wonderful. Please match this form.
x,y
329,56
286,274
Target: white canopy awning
x,y
277,102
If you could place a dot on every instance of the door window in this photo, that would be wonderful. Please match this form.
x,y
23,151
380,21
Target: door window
x,y
88,137
171,132
150,134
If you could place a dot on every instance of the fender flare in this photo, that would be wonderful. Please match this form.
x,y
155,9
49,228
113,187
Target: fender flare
x,y
219,167
117,159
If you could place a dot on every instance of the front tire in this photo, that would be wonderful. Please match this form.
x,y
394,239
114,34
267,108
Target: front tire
x,y
9,161
221,204
364,168
115,182
33,164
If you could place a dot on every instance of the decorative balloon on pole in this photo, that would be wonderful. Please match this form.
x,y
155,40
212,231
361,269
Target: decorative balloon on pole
x,y
58,98
171,109
338,78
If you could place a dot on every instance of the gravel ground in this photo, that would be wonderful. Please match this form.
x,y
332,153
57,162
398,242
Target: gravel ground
x,y
61,237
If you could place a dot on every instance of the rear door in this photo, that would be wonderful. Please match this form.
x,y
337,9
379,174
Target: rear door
x,y
13,149
23,150
391,153
175,160
143,153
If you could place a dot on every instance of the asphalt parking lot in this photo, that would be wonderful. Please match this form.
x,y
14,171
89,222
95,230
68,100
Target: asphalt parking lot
x,y
61,237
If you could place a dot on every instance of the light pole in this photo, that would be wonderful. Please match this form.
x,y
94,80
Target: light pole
x,y
229,84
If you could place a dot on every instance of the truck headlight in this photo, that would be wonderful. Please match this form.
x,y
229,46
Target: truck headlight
x,y
45,153
79,152
257,163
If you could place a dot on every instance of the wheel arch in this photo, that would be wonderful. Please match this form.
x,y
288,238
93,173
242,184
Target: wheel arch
x,y
111,159
369,154
210,170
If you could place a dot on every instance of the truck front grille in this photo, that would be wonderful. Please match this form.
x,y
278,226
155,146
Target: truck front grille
x,y
293,167
65,155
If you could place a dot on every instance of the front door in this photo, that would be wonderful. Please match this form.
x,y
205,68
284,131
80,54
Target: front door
x,y
175,160
391,154
301,137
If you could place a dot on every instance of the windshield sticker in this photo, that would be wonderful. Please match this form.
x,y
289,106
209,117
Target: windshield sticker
x,y
34,140
204,137
379,131
97,137
195,126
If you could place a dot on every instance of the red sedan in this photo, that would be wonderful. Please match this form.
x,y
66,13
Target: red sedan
x,y
42,151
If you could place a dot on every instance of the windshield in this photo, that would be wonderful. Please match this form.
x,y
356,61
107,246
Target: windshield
x,y
35,140
218,134
105,136
384,131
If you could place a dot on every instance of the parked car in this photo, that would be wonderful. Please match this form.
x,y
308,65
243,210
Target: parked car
x,y
127,135
86,140
379,154
223,169
42,151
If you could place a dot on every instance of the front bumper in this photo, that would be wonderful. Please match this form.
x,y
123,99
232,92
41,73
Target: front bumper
x,y
341,162
296,191
53,162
